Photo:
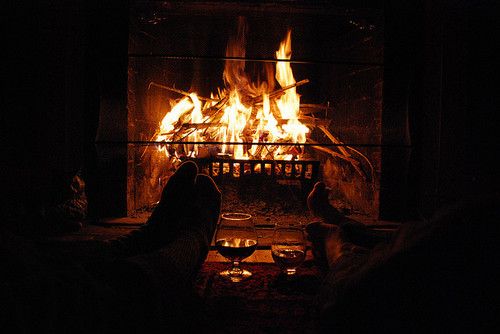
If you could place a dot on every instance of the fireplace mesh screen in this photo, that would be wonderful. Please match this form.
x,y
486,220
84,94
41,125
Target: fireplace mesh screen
x,y
337,52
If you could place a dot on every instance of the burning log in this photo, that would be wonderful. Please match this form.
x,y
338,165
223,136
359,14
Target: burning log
x,y
314,106
310,121
353,162
334,140
179,91
308,109
278,92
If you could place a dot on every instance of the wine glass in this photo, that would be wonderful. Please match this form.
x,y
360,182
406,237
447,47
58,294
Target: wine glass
x,y
236,239
288,248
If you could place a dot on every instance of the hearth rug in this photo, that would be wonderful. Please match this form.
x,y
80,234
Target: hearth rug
x,y
268,302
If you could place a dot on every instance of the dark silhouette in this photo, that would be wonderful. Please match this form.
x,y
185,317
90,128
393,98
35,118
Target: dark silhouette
x,y
427,276
138,283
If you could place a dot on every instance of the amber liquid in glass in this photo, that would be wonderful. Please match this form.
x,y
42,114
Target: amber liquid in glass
x,y
288,258
236,249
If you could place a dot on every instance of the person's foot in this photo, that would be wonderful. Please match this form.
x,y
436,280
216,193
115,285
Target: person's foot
x,y
318,204
177,193
325,240
333,229
207,205
173,210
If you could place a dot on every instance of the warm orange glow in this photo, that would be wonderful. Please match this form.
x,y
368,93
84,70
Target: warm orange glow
x,y
247,113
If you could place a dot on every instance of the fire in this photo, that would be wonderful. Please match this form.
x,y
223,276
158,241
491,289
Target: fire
x,y
242,112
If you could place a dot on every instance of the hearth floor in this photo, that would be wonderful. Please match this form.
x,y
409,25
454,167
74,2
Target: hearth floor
x,y
109,228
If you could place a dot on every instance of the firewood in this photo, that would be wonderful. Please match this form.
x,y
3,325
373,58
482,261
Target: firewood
x,y
334,140
283,89
354,163
182,92
307,120
309,108
305,106
314,106
278,92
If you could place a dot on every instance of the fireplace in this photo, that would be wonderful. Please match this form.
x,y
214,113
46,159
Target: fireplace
x,y
203,54
401,94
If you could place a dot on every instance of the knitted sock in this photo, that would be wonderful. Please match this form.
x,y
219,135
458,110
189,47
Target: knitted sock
x,y
175,207
208,205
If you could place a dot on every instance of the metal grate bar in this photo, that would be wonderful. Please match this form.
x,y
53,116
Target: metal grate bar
x,y
303,170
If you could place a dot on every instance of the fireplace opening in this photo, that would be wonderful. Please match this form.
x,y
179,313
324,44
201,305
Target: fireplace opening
x,y
268,98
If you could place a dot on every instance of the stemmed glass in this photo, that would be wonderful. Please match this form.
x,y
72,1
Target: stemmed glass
x,y
288,248
236,239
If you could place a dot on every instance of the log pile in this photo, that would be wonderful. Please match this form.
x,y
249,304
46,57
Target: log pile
x,y
214,110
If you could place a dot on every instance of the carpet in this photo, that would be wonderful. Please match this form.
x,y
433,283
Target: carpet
x,y
268,302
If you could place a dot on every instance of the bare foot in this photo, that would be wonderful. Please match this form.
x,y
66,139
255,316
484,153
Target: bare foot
x,y
318,204
326,243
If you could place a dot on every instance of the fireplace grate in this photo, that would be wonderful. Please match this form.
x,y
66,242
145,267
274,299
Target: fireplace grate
x,y
301,170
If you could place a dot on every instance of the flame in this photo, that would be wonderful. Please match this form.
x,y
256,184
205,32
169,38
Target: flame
x,y
233,123
289,103
242,118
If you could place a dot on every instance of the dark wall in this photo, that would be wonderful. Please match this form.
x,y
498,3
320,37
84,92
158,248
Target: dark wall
x,y
436,83
109,26
20,82
480,156
44,114
61,56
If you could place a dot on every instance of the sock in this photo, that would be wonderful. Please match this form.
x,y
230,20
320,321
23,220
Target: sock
x,y
173,210
208,205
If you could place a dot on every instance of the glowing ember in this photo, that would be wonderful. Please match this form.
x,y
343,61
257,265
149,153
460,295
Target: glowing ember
x,y
242,112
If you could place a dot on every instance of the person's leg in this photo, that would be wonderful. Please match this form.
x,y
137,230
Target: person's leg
x,y
326,243
181,257
352,230
177,262
334,230
207,205
176,195
165,275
